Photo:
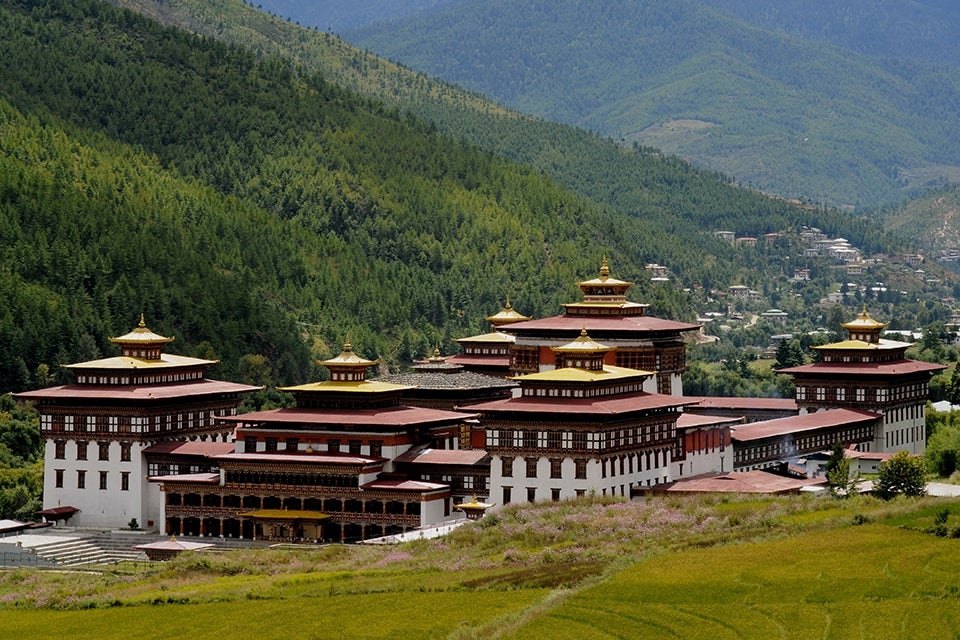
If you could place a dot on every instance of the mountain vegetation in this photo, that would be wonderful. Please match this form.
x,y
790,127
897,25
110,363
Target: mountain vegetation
x,y
261,213
789,115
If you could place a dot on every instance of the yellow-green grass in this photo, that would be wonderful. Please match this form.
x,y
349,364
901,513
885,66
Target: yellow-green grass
x,y
373,616
872,581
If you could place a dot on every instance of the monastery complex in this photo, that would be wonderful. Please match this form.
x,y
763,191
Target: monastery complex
x,y
588,401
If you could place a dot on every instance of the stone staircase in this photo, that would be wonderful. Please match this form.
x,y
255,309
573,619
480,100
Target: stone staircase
x,y
88,550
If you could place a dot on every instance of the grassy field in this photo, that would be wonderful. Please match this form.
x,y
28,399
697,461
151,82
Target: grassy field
x,y
716,568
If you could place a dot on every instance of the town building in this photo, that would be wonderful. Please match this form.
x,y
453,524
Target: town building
x,y
580,426
96,430
325,469
869,373
489,353
637,340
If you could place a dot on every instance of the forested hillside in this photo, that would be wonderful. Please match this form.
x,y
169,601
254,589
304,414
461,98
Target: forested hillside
x,y
261,213
243,205
792,116
640,181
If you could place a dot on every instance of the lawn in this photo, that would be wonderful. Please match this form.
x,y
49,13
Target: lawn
x,y
674,567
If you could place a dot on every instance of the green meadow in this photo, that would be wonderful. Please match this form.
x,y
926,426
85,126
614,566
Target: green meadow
x,y
691,567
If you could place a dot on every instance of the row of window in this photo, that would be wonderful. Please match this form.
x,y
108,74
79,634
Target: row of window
x,y
132,424
353,447
900,437
103,450
182,376
553,392
841,394
82,479
579,440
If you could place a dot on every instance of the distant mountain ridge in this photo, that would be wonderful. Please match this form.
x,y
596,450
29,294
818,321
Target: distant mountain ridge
x,y
782,113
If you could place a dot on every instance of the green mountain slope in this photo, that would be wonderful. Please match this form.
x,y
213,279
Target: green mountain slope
x,y
932,222
797,118
240,204
642,182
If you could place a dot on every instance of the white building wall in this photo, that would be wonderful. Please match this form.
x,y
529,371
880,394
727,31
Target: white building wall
x,y
111,507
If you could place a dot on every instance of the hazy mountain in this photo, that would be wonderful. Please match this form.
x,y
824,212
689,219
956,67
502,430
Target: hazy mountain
x,y
787,114
340,15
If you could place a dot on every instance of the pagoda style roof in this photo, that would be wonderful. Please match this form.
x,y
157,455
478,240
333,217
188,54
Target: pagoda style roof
x,y
805,422
469,457
867,369
614,325
417,486
165,361
341,386
496,336
584,344
141,335
507,315
348,358
860,345
308,419
605,280
864,322
137,393
576,374
598,406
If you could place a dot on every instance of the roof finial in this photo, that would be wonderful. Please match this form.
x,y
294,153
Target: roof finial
x,y
143,322
604,268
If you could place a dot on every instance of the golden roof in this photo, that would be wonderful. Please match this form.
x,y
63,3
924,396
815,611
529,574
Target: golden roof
x,y
141,335
864,322
605,279
583,344
496,336
348,358
167,360
506,315
574,374
348,386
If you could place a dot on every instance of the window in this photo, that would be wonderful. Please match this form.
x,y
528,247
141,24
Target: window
x,y
580,492
556,466
531,467
249,444
81,450
124,481
60,450
333,446
506,438
103,480
58,482
506,495
553,439
531,494
293,444
104,450
81,479
354,446
125,452
270,444
555,495
506,469
529,439
376,448
580,469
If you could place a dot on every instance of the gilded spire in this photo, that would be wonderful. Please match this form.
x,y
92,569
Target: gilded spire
x,y
604,268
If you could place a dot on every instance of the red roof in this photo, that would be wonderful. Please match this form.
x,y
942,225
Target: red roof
x,y
138,393
738,482
191,447
301,457
716,402
604,405
480,361
401,416
444,456
624,325
692,420
895,368
418,486
805,422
